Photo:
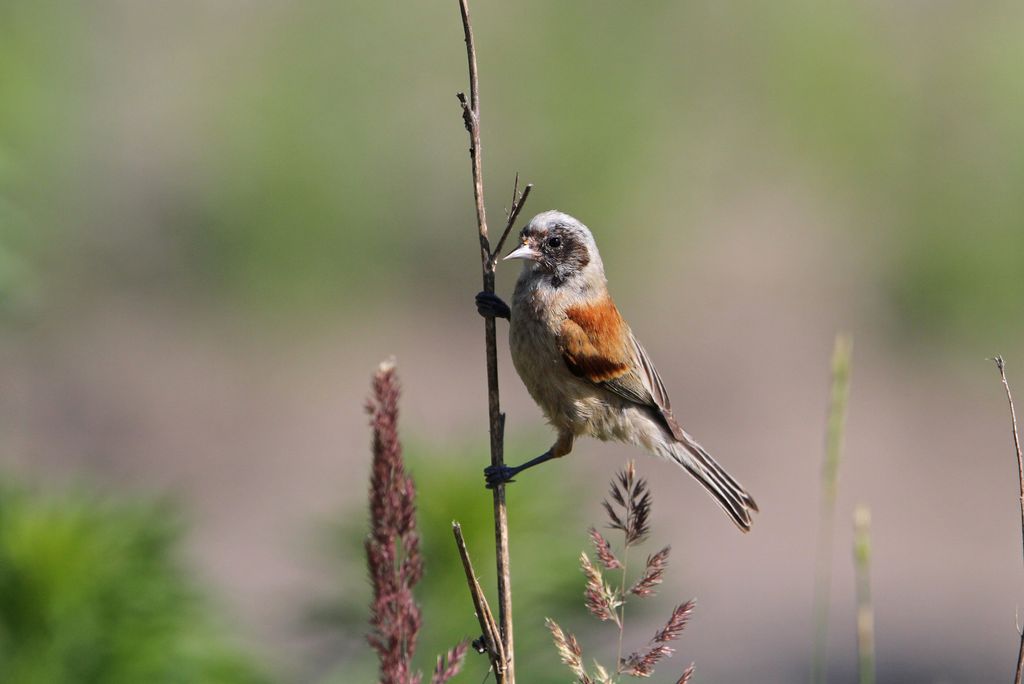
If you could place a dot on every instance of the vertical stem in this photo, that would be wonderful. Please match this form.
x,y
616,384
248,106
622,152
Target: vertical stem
x,y
829,485
471,117
1001,365
865,610
497,429
1016,440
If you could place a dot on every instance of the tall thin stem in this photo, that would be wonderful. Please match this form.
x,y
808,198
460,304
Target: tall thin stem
x,y
829,487
1001,365
496,419
865,609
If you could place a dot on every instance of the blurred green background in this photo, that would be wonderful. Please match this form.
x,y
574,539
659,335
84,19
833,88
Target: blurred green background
x,y
217,217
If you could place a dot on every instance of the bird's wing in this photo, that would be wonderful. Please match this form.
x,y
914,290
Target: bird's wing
x,y
597,345
659,395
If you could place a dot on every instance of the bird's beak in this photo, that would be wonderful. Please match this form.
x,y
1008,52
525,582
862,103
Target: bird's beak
x,y
524,251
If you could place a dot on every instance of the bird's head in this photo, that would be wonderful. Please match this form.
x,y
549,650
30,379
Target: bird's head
x,y
557,246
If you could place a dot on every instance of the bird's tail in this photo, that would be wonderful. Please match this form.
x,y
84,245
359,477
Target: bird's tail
x,y
727,492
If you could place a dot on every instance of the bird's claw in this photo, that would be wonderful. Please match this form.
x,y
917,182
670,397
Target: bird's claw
x,y
496,475
490,305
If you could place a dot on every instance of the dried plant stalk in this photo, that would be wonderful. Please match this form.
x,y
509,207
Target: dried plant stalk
x,y
1001,365
488,258
492,642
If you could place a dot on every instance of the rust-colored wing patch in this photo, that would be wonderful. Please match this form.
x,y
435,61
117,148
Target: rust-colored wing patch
x,y
597,345
593,341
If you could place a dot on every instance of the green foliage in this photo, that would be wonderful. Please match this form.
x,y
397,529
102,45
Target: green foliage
x,y
545,537
38,45
93,590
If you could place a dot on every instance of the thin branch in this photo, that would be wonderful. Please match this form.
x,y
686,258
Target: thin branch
x,y
517,206
496,419
1001,365
491,635
471,118
515,196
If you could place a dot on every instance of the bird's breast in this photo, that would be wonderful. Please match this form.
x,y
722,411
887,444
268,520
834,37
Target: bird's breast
x,y
534,346
568,402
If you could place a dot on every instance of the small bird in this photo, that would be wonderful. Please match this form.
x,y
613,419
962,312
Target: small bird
x,y
582,365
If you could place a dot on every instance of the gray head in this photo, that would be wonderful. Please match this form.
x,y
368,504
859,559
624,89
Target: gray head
x,y
557,246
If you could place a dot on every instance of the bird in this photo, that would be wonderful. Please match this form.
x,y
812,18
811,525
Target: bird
x,y
581,363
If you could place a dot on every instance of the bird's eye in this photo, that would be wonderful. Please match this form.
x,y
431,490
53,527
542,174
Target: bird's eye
x,y
554,242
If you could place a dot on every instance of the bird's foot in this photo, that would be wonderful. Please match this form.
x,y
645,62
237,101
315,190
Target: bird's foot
x,y
496,475
490,305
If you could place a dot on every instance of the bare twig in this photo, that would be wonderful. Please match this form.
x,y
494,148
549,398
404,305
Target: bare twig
x,y
513,214
865,609
496,419
829,486
1001,365
508,215
492,636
